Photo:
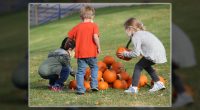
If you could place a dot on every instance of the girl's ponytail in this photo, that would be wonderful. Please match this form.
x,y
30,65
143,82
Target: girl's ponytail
x,y
140,25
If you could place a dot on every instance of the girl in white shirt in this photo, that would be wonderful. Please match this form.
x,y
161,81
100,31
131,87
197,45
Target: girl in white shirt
x,y
150,47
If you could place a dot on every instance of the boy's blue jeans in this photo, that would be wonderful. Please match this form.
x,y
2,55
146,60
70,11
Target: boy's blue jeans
x,y
63,76
82,64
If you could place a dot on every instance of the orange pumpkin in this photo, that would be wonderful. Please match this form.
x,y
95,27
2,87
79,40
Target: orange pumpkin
x,y
72,84
109,76
143,80
100,74
118,67
108,60
87,85
102,66
124,75
160,78
125,85
87,73
102,85
121,50
118,84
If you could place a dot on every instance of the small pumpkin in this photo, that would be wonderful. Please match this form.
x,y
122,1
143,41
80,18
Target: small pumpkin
x,y
109,76
108,60
143,80
118,67
87,85
118,84
102,66
100,74
124,75
125,85
121,50
102,85
72,85
87,73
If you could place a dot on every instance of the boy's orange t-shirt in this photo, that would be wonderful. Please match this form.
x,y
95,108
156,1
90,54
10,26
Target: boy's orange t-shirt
x,y
83,34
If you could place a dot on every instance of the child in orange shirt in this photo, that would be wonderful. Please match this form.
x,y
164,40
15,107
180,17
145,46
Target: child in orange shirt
x,y
86,36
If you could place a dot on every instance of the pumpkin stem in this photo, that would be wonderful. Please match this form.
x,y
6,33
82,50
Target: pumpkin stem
x,y
102,80
119,76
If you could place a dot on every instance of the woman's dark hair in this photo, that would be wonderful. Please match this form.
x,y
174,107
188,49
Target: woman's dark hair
x,y
67,43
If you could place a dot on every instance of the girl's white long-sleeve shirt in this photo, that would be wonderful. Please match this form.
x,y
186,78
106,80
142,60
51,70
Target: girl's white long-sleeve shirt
x,y
147,45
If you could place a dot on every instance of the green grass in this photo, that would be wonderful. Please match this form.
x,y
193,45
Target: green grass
x,y
110,20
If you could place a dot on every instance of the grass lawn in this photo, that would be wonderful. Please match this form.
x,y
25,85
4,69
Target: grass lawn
x,y
47,37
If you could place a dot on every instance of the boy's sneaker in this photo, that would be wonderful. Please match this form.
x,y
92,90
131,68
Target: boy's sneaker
x,y
157,86
56,88
132,90
182,100
95,89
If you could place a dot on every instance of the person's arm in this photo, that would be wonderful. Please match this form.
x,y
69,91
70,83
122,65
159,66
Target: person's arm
x,y
131,54
96,40
137,48
135,52
65,61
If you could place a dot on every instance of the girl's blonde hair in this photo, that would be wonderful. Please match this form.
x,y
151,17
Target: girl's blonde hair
x,y
134,23
87,12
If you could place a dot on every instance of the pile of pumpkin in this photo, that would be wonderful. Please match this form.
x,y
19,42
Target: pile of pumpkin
x,y
111,74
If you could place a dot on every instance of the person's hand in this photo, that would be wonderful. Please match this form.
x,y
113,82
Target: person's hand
x,y
99,50
120,55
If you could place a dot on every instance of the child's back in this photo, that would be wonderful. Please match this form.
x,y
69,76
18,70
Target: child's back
x,y
53,64
151,46
83,33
